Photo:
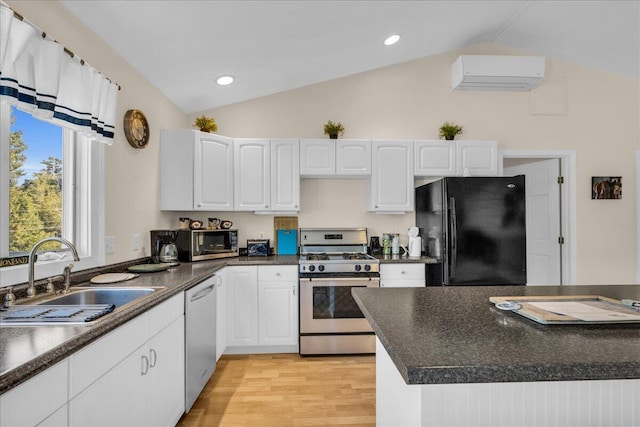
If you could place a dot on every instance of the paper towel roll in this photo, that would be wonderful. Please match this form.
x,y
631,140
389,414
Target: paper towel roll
x,y
415,246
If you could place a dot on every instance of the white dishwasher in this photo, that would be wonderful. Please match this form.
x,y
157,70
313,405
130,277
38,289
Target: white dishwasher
x,y
200,337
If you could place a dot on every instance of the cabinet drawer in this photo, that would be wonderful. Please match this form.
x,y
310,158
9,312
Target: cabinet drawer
x,y
414,271
277,273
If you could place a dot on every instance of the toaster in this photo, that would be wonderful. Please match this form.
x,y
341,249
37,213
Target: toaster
x,y
258,247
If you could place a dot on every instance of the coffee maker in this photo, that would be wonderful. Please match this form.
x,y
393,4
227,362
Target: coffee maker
x,y
163,246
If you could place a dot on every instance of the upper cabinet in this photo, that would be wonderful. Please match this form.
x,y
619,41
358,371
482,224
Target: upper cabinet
x,y
267,175
390,187
252,174
456,158
335,157
285,175
196,171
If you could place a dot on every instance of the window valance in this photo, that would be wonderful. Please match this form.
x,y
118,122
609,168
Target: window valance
x,y
37,75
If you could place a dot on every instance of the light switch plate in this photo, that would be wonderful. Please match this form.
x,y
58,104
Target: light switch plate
x,y
109,244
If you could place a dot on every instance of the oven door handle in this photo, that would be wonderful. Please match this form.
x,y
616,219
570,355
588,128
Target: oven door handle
x,y
337,279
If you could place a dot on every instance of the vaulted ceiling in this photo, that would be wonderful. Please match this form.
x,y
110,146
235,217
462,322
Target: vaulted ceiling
x,y
273,46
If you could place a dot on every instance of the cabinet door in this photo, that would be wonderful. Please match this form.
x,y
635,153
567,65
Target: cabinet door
x,y
317,157
212,172
434,158
477,158
353,157
242,306
116,399
391,187
285,175
278,305
163,386
252,175
221,313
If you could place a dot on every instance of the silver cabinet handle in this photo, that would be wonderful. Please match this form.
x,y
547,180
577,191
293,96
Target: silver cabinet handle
x,y
144,365
278,274
294,290
153,357
202,293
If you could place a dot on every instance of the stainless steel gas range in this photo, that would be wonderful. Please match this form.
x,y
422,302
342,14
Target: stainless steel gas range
x,y
332,262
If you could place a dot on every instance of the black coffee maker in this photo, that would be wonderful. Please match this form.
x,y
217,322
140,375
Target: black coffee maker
x,y
163,246
374,246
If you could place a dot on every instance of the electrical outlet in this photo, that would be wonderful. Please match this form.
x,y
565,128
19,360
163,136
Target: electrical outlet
x,y
109,244
135,241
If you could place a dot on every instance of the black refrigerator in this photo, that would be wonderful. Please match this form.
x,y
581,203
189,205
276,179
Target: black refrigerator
x,y
476,229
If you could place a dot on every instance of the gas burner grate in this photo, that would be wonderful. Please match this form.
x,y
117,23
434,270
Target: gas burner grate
x,y
354,256
318,257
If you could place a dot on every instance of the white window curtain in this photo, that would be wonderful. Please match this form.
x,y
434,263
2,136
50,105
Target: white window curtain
x,y
37,75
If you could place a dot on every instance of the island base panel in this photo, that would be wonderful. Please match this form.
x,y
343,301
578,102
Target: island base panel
x,y
548,403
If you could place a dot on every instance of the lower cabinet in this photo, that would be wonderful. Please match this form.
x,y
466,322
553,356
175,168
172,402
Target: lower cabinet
x,y
146,387
262,309
402,275
41,400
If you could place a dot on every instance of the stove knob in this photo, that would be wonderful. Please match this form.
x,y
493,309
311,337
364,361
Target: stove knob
x,y
358,268
367,268
321,267
312,268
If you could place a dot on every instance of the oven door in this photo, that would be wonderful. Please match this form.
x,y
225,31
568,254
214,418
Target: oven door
x,y
326,305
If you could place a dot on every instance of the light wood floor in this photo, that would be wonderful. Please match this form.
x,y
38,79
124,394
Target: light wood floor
x,y
287,390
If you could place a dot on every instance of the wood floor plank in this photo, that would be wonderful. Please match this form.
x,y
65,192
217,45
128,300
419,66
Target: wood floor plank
x,y
287,390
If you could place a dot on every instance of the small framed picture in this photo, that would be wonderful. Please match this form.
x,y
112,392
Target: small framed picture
x,y
606,187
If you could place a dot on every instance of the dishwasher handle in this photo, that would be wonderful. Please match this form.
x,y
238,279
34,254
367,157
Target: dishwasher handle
x,y
202,293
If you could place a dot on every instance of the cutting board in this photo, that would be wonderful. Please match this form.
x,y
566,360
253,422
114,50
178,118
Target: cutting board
x,y
283,223
113,277
570,309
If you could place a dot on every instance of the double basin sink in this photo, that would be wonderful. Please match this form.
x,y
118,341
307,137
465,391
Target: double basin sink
x,y
79,306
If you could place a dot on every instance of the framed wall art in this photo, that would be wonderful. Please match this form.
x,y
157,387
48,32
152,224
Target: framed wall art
x,y
606,187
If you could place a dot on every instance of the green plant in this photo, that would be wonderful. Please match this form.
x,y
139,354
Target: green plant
x,y
449,131
333,129
206,124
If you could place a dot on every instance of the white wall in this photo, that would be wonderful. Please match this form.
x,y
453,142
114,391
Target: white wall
x,y
592,112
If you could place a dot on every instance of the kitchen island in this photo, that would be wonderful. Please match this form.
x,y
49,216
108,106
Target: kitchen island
x,y
447,356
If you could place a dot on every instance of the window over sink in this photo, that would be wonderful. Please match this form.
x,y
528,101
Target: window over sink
x,y
51,184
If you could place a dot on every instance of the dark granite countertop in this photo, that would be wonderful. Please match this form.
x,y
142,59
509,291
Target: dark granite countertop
x,y
442,335
398,259
26,351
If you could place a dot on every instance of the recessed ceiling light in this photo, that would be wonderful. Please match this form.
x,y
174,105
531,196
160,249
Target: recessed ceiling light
x,y
391,40
224,80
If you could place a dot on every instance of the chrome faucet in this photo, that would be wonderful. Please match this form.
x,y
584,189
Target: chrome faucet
x,y
31,290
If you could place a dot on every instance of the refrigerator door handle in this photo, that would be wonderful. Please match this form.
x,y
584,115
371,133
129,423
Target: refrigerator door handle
x,y
454,237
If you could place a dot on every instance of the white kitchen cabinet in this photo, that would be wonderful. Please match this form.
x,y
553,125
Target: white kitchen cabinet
x,y
317,157
252,174
143,387
335,157
262,309
390,187
41,399
402,275
221,313
285,175
353,157
455,158
196,171
242,306
477,158
278,305
435,158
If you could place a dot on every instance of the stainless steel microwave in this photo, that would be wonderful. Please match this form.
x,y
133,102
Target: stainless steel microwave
x,y
198,245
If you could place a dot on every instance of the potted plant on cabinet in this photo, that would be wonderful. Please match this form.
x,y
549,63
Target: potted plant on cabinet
x,y
206,124
449,131
333,129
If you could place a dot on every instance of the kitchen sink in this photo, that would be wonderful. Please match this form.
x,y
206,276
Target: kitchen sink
x,y
79,306
115,296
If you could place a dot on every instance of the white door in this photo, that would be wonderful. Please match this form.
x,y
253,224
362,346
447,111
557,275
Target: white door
x,y
285,175
242,306
278,313
543,219
213,172
353,157
391,184
317,157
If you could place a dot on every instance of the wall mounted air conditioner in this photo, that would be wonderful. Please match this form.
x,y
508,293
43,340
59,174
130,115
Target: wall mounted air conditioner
x,y
497,72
